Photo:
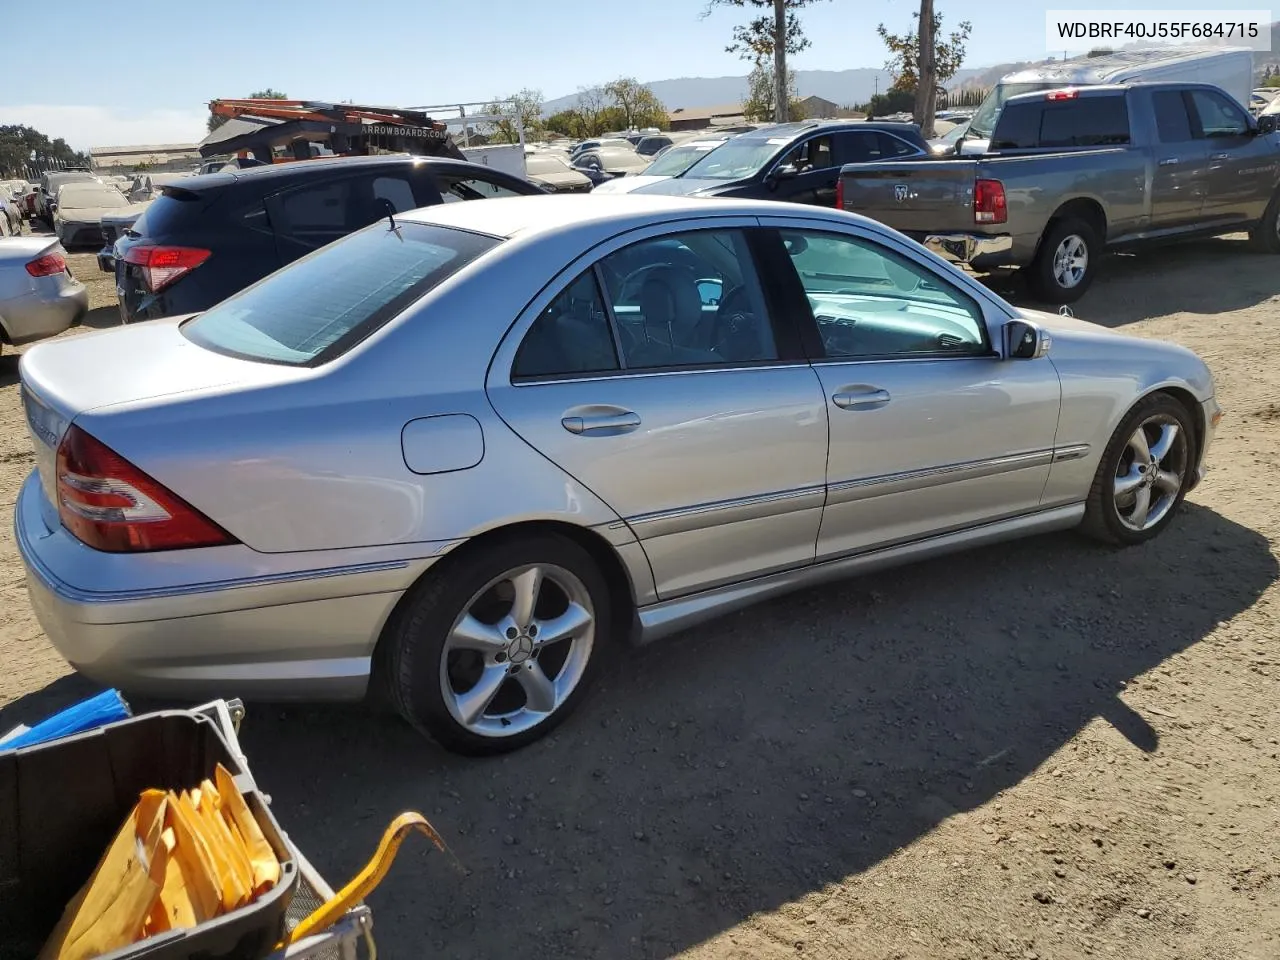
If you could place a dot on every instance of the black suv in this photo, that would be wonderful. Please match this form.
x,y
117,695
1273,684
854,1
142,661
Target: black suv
x,y
795,162
210,236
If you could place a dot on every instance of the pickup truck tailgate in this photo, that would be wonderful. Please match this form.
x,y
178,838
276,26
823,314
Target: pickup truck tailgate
x,y
923,196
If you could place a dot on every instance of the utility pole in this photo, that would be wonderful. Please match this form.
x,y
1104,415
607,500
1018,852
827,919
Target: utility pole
x,y
926,71
781,101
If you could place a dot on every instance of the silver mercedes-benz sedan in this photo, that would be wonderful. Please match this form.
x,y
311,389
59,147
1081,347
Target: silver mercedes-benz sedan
x,y
466,451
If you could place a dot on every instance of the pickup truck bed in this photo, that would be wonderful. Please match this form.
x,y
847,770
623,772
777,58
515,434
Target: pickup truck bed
x,y
1051,206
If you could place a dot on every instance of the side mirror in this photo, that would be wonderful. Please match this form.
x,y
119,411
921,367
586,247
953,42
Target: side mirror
x,y
1025,341
785,172
1268,123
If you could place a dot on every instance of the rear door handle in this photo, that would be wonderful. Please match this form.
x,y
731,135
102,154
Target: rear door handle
x,y
860,399
604,425
1169,162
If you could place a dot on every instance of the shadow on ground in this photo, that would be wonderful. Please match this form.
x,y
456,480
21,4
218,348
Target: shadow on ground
x,y
102,318
738,767
1204,277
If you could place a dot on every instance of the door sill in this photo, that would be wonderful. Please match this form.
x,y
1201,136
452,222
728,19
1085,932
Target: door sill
x,y
671,616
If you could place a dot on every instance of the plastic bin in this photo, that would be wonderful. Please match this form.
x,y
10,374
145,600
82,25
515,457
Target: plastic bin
x,y
62,802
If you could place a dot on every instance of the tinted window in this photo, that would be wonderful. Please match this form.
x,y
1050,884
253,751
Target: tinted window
x,y
396,191
1018,127
1218,116
871,302
891,146
1172,123
1086,122
860,147
337,295
571,336
322,206
168,214
454,188
688,299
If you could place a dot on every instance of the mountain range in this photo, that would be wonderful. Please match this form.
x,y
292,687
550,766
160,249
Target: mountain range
x,y
843,87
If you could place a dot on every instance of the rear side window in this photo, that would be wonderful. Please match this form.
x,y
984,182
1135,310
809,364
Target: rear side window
x,y
1172,123
1082,122
321,305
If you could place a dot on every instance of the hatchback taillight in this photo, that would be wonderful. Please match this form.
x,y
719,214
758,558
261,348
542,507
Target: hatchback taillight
x,y
111,505
50,265
989,202
162,265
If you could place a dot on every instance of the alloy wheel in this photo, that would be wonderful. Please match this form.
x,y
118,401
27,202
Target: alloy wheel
x,y
1070,261
1149,475
518,650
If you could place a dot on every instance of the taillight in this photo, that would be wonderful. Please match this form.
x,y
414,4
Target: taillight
x,y
111,505
989,202
51,264
840,193
161,266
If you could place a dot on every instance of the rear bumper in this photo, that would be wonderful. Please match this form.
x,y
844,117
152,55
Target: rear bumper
x,y
42,314
79,234
980,251
219,622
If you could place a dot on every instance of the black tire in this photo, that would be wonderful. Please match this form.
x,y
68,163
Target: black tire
x,y
1102,518
1044,283
412,649
1265,236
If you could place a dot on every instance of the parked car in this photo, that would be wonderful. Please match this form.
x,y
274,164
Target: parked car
x,y
10,217
46,202
1228,68
651,146
552,172
436,447
114,226
796,162
79,207
30,200
671,163
606,163
1262,98
210,236
620,143
38,295
1075,172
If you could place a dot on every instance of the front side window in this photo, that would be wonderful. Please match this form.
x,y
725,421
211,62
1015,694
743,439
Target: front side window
x,y
870,302
1219,117
688,299
814,154
323,304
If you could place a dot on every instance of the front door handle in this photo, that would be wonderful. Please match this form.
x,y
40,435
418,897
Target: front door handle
x,y
860,399
1170,162
603,425
1222,156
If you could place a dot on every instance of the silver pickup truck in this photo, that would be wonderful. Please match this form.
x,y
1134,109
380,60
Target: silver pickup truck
x,y
1070,173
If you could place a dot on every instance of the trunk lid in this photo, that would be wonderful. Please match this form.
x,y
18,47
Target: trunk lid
x,y
128,365
25,249
921,196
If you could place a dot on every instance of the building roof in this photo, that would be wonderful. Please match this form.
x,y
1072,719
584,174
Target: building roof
x,y
705,113
144,148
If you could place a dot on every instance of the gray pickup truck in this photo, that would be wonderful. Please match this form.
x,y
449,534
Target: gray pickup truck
x,y
1070,173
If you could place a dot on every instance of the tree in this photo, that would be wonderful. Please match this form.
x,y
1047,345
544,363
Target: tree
x,y
568,123
943,58
521,110
639,106
761,104
775,32
25,151
215,121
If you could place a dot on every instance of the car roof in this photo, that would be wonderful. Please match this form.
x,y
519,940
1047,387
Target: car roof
x,y
528,217
780,131
301,169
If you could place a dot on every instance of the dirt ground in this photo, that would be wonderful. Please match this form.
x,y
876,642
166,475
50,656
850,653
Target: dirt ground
x,y
1040,750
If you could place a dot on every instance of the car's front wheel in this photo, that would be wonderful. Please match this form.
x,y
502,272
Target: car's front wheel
x,y
500,646
1144,475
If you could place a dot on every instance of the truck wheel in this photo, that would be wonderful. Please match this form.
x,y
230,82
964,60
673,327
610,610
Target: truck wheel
x,y
1066,263
1265,237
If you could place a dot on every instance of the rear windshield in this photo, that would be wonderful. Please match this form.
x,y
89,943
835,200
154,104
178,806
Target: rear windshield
x,y
1088,121
320,306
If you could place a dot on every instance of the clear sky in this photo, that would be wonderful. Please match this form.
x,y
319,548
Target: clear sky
x,y
142,72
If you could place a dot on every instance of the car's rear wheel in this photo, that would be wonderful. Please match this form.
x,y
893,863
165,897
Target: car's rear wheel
x,y
1066,262
1144,474
499,647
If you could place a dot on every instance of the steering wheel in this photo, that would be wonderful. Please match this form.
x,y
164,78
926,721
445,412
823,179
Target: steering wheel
x,y
735,331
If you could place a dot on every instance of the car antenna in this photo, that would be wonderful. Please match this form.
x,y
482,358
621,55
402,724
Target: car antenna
x,y
391,212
